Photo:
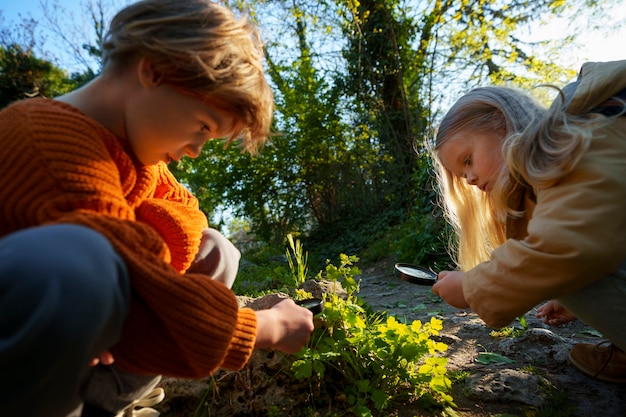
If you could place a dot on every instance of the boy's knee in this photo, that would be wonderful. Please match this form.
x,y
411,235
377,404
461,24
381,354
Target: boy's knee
x,y
217,257
43,254
62,274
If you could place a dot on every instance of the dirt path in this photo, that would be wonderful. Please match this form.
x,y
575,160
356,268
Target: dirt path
x,y
538,376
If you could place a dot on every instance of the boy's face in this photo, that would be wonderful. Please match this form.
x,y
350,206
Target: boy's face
x,y
164,124
475,156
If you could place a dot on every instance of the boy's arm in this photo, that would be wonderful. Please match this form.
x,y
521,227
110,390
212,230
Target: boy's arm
x,y
179,324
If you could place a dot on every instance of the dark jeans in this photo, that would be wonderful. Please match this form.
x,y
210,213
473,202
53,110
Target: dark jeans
x,y
64,296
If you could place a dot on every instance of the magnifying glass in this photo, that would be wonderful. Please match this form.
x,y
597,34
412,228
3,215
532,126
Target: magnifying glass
x,y
416,274
314,305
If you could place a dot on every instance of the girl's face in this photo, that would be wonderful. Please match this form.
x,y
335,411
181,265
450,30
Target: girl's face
x,y
165,124
475,156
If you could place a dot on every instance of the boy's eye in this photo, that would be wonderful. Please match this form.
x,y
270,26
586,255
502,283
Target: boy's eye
x,y
467,161
205,128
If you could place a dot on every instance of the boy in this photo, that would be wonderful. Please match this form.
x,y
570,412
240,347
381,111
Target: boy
x,y
97,237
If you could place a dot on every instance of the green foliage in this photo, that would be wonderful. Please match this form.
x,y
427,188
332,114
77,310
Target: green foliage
x,y
357,89
385,81
356,360
484,42
344,274
250,187
257,280
353,235
363,361
22,75
421,240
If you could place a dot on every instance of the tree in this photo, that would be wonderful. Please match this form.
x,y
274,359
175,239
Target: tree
x,y
380,64
81,36
359,86
303,177
22,75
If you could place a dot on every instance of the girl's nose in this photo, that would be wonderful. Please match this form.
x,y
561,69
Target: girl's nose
x,y
471,179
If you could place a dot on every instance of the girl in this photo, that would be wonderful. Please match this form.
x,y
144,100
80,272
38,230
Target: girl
x,y
537,198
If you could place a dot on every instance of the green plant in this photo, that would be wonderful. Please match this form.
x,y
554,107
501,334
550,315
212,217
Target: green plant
x,y
458,376
511,331
298,261
364,361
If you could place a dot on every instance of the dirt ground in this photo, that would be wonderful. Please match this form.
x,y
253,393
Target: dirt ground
x,y
539,376
535,380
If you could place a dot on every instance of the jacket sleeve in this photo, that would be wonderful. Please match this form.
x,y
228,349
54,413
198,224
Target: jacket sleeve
x,y
575,236
184,325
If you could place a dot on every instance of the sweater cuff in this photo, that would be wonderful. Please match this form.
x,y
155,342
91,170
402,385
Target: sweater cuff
x,y
242,341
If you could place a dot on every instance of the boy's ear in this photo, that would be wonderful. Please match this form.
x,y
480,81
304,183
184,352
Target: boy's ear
x,y
148,77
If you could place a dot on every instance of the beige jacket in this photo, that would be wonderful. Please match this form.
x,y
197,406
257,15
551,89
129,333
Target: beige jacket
x,y
576,231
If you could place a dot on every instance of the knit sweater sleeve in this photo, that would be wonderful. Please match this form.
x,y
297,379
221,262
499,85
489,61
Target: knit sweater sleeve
x,y
173,212
63,170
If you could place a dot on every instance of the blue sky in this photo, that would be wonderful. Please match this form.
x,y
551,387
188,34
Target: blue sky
x,y
71,13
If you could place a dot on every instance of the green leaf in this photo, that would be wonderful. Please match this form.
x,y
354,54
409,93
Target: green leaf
x,y
302,369
489,358
363,385
591,332
379,398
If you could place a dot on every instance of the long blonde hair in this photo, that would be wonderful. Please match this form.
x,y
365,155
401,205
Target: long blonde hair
x,y
539,146
203,49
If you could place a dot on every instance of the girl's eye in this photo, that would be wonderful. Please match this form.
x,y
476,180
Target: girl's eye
x,y
205,128
466,162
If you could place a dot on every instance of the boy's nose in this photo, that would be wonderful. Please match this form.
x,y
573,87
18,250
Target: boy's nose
x,y
192,151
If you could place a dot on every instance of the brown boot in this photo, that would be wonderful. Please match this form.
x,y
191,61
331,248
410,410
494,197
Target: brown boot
x,y
603,361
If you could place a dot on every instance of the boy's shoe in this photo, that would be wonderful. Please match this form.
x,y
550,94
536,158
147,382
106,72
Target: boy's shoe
x,y
603,361
152,398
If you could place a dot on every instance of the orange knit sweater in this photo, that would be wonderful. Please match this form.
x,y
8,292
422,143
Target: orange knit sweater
x,y
60,166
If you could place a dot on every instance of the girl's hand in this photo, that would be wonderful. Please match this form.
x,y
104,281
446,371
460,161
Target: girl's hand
x,y
554,314
105,358
449,286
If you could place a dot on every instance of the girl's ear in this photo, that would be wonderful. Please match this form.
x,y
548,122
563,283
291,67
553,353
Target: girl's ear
x,y
148,77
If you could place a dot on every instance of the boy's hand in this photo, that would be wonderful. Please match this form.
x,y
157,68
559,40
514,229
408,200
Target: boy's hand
x,y
449,286
286,327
